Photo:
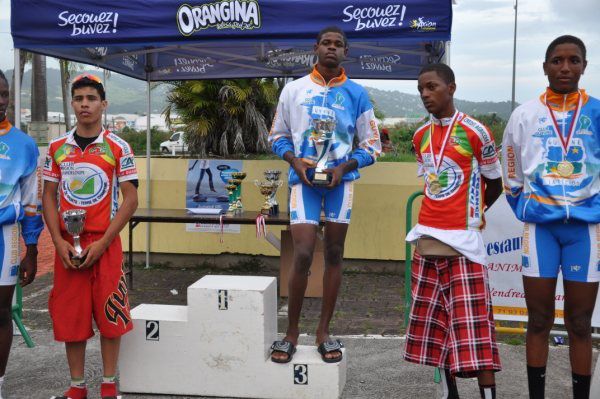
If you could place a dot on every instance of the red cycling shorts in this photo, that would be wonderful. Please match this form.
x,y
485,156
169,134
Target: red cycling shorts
x,y
99,291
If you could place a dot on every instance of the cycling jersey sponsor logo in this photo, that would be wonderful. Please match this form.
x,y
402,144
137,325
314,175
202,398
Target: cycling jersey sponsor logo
x,y
375,17
475,195
239,14
127,163
423,25
48,163
83,184
584,124
450,177
339,101
544,131
511,162
122,143
89,23
489,154
4,148
97,150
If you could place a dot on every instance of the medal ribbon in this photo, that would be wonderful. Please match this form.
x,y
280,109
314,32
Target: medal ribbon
x,y
565,142
261,226
436,165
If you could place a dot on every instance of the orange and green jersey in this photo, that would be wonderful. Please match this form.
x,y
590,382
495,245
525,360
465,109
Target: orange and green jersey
x,y
89,178
470,153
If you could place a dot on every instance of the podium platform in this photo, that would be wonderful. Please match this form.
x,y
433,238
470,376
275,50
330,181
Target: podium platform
x,y
219,345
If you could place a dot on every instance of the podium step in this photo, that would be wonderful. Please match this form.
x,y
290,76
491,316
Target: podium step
x,y
219,345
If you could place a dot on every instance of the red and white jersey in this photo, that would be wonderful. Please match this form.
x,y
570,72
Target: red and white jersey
x,y
453,213
469,154
89,179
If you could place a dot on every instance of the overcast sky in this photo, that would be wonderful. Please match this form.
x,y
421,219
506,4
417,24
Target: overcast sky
x,y
482,46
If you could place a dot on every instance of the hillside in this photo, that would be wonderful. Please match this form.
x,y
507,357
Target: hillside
x,y
127,95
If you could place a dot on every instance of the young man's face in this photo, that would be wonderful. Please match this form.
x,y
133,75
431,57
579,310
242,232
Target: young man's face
x,y
564,67
3,99
87,105
331,50
435,93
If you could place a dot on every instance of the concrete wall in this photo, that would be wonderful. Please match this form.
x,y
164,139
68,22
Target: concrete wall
x,y
376,232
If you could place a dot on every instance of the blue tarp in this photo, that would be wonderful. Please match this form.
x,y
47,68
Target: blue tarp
x,y
177,40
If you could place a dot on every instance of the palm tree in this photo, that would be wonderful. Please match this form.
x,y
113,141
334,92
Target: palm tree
x,y
39,92
224,116
24,59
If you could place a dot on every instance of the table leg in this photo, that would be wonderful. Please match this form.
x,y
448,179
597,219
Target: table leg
x,y
129,271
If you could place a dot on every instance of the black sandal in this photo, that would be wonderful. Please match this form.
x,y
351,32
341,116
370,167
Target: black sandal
x,y
329,347
283,347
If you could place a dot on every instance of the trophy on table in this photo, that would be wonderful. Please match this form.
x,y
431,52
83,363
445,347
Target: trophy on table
x,y
236,179
267,189
231,191
272,176
322,137
74,221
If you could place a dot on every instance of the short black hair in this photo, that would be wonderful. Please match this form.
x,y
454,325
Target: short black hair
x,y
443,71
4,77
564,40
87,82
334,29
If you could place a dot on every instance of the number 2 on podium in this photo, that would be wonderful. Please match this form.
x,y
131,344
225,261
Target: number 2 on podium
x,y
223,305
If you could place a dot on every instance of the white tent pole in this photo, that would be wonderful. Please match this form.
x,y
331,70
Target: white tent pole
x,y
17,75
148,191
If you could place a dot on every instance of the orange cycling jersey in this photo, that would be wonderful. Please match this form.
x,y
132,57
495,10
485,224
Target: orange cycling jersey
x,y
89,179
470,153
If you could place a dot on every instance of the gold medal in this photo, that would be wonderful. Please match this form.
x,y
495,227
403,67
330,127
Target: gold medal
x,y
565,169
435,186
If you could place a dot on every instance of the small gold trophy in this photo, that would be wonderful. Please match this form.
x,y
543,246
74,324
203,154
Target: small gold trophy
x,y
267,189
236,180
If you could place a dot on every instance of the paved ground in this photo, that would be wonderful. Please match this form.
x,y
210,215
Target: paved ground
x,y
375,370
369,303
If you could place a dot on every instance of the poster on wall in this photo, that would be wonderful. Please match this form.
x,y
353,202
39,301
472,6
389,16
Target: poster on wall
x,y
205,189
503,240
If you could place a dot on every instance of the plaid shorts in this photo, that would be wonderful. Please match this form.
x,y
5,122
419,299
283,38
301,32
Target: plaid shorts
x,y
451,322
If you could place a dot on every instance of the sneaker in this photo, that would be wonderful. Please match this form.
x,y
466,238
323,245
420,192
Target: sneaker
x,y
108,390
73,393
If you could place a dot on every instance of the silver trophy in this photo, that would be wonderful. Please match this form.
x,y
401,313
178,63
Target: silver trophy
x,y
273,176
74,221
322,138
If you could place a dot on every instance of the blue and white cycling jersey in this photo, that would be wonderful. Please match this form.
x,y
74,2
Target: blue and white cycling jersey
x,y
533,152
341,99
19,196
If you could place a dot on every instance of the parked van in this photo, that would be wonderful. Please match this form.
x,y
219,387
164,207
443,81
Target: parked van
x,y
175,144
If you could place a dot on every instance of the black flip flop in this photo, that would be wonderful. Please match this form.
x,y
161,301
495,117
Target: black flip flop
x,y
283,347
329,347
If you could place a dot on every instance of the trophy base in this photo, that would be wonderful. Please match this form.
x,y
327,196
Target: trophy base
x,y
321,179
77,260
265,211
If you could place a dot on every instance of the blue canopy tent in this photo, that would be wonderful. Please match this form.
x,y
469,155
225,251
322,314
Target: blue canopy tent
x,y
158,40
161,40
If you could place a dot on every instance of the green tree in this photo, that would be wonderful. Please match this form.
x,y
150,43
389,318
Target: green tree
x,y
224,116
